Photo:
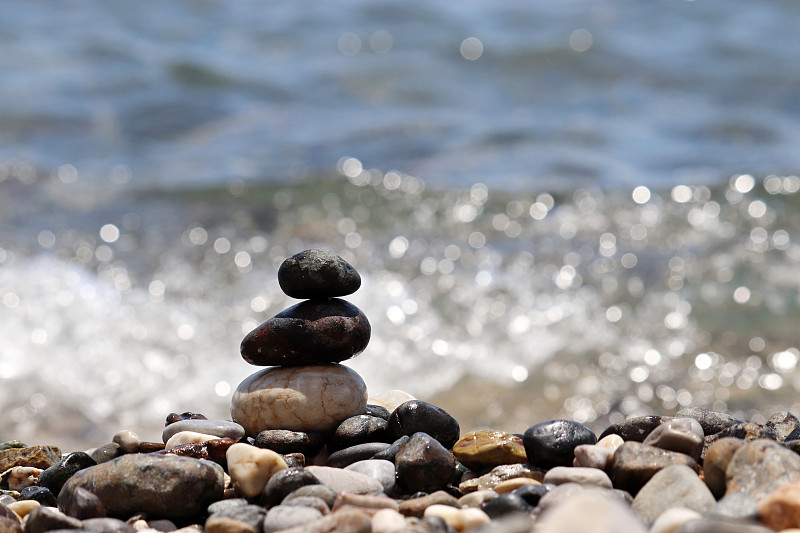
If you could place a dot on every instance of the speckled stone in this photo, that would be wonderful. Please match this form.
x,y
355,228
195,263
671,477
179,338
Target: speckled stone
x,y
423,464
761,466
552,443
785,425
36,456
636,428
746,431
10,525
300,398
716,462
309,443
416,416
635,463
317,273
217,428
711,421
489,448
162,486
311,332
673,486
684,435
499,474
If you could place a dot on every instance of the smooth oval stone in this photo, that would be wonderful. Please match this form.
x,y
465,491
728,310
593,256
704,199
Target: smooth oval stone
x,y
553,443
82,504
423,464
225,524
489,448
670,520
284,483
43,495
217,428
128,441
345,480
311,332
358,429
250,514
54,477
377,410
416,416
283,517
325,493
378,469
636,428
162,486
593,456
583,476
251,468
387,521
283,441
44,519
532,492
106,452
317,274
299,398
635,463
359,452
673,486
716,462
310,501
349,520
684,435
459,519
505,504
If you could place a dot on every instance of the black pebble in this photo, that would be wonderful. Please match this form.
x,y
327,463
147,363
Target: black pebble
x,y
636,428
81,503
423,464
391,452
416,416
358,430
359,452
42,495
285,482
54,477
284,441
506,503
552,443
377,410
532,492
317,273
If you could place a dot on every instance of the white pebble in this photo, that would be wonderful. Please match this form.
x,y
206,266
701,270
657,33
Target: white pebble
x,y
459,519
387,521
188,437
612,441
251,467
672,519
19,477
128,441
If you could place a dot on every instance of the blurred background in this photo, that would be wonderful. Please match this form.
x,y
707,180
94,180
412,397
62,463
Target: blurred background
x,y
581,209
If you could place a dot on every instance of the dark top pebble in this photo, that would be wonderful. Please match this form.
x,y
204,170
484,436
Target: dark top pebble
x,y
284,441
54,477
358,429
317,274
552,443
377,410
43,495
416,416
285,482
711,421
636,428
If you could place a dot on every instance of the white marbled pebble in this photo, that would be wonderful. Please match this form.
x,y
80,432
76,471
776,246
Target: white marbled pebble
x,y
187,437
672,519
584,476
387,521
298,398
459,519
250,468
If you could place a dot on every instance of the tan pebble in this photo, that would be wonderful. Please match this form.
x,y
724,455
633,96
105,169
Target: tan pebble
x,y
23,507
612,441
128,441
391,399
470,485
477,498
513,484
226,480
593,456
19,477
459,519
140,525
487,447
387,521
250,467
225,524
780,509
364,501
672,519
576,474
187,437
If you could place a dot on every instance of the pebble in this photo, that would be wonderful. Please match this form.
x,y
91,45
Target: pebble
x,y
175,417
187,437
358,429
226,524
684,435
128,441
533,492
323,492
23,507
670,520
36,456
551,443
636,428
780,509
712,421
43,495
488,448
635,463
19,477
589,510
317,274
785,425
217,428
759,467
499,474
300,398
54,477
82,504
583,476
378,469
253,515
311,332
477,498
345,480
106,452
251,468
593,456
387,521
416,506
162,486
284,482
611,441
505,504
310,501
712,525
359,452
673,486
283,517
736,506
344,521
107,525
424,464
44,518
366,502
513,484
391,452
284,441
377,410
459,519
416,416
716,462
391,399
10,525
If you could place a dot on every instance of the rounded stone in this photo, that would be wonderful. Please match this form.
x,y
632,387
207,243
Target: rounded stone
x,y
43,495
217,428
82,504
107,525
250,514
317,273
358,429
128,441
311,332
506,503
325,493
553,443
415,416
359,452
488,448
54,477
285,482
423,464
378,469
300,398
345,480
285,516
283,441
683,435
250,468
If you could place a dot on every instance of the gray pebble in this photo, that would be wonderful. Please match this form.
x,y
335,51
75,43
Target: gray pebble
x,y
286,516
379,469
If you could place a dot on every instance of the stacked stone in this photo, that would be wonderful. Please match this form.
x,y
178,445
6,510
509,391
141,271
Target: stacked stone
x,y
304,388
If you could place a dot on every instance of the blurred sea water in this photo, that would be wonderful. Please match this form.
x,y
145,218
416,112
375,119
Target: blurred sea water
x,y
578,209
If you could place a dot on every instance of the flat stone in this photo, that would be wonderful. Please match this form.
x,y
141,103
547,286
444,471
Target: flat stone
x,y
636,428
553,443
583,476
358,429
54,477
499,474
82,504
343,521
325,493
671,519
283,441
378,469
635,463
761,466
514,483
716,462
424,464
187,437
673,486
44,519
162,486
218,428
711,421
283,517
311,332
36,456
284,483
359,452
317,274
367,502
416,506
589,510
345,480
488,448
251,468
785,425
301,398
684,435
416,416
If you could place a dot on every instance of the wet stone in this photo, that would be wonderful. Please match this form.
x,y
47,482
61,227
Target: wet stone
x,y
311,332
785,425
673,486
43,495
711,421
378,469
216,428
417,506
283,517
358,429
416,416
716,461
175,417
391,452
224,505
505,504
81,504
377,410
552,443
44,519
161,486
488,448
761,466
36,456
423,464
251,468
636,428
317,274
635,463
54,477
284,441
106,452
285,482
684,435
359,452
502,473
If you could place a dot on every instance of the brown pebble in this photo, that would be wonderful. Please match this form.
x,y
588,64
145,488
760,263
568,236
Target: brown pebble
x,y
36,456
345,520
81,503
416,506
780,509
225,524
513,484
10,525
488,448
150,447
477,498
366,502
175,417
716,462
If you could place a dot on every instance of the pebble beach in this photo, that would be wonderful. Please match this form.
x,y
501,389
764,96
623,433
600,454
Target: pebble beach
x,y
308,449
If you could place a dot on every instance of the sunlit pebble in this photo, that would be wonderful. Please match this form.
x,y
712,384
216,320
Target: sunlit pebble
x,y
641,194
681,194
581,40
743,183
471,48
349,44
741,295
